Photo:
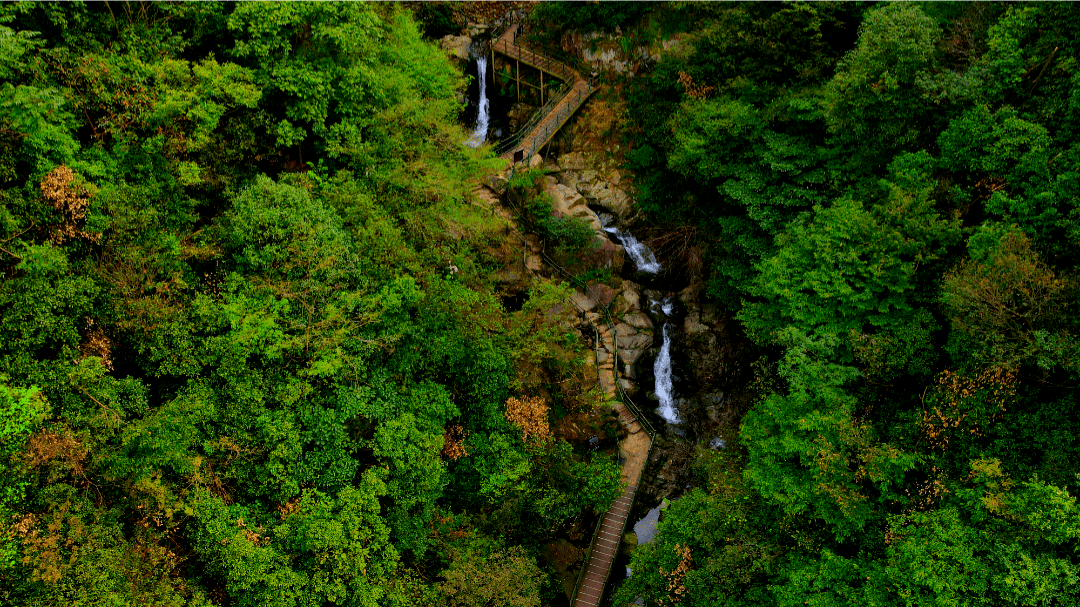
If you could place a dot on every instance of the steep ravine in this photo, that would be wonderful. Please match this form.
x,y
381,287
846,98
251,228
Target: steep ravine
x,y
674,336
675,356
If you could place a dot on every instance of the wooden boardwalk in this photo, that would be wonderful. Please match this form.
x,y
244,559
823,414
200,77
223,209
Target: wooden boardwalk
x,y
555,113
604,549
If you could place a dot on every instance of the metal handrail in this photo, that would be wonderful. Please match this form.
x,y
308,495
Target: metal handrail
x,y
507,144
588,553
626,400
506,44
560,116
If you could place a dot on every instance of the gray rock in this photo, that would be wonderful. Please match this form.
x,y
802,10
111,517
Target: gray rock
x,y
630,356
692,325
604,194
573,161
605,254
569,203
583,302
632,296
587,178
637,341
616,201
607,381
536,161
601,292
638,321
570,178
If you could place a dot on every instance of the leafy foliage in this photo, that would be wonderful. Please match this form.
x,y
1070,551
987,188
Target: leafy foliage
x,y
889,215
236,368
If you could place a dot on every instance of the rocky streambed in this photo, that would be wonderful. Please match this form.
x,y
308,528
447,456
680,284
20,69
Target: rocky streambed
x,y
660,317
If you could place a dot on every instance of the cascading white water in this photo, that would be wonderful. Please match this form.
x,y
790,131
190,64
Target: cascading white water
x,y
480,134
662,370
644,259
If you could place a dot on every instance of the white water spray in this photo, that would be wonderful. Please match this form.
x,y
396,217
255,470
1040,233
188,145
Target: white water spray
x,y
662,370
480,134
645,261
643,257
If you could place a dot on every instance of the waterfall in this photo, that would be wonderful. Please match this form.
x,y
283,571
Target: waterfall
x,y
645,261
480,134
643,257
662,369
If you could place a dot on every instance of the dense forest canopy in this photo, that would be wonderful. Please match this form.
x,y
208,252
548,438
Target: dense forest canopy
x,y
252,351
889,194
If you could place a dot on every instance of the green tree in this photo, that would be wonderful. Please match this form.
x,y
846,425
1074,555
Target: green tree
x,y
1003,298
808,452
722,534
849,268
416,479
325,549
874,100
481,573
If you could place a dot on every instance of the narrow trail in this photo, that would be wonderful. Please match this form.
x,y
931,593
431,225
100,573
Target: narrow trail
x,y
556,114
634,451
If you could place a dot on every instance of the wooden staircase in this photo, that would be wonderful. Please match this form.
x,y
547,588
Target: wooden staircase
x,y
555,113
604,549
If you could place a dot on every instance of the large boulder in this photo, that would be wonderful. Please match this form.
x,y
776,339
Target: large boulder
x,y
638,320
601,292
568,203
456,46
604,194
583,302
615,200
573,178
605,254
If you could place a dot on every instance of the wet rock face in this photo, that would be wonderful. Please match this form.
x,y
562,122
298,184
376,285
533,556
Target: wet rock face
x,y
606,254
705,351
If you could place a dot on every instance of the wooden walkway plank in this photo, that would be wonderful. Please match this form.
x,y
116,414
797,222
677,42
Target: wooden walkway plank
x,y
604,550
556,117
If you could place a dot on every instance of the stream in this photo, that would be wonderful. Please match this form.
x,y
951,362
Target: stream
x,y
652,283
645,261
